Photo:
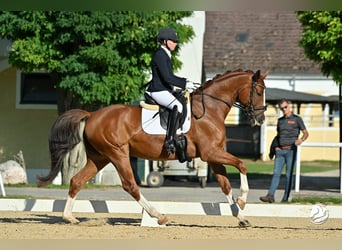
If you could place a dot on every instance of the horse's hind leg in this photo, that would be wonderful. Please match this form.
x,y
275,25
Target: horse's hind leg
x,y
123,166
162,219
76,183
221,176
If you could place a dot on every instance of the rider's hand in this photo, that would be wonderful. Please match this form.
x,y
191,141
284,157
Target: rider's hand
x,y
197,85
191,86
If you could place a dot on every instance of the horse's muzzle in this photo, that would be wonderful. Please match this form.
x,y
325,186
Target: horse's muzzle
x,y
257,119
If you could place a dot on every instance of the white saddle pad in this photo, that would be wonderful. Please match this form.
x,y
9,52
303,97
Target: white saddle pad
x,y
151,122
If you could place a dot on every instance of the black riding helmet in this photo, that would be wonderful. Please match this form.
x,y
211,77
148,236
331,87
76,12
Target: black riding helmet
x,y
167,34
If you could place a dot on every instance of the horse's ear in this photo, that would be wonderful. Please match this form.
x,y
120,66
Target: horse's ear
x,y
256,75
265,75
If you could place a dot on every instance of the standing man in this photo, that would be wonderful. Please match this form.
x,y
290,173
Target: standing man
x,y
289,127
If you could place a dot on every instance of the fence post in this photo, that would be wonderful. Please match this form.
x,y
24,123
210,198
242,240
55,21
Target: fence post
x,y
2,186
340,170
297,184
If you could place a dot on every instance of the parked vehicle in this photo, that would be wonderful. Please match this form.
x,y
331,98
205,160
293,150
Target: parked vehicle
x,y
159,169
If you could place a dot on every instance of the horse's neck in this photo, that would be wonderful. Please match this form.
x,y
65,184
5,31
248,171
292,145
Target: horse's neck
x,y
226,89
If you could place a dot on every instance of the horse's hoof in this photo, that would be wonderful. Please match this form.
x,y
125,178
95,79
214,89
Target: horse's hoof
x,y
71,219
241,203
244,224
162,220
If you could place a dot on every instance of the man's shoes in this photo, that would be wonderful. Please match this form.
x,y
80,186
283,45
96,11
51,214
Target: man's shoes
x,y
284,201
268,198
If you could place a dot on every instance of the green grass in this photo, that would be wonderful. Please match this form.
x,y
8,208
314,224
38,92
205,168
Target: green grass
x,y
27,197
316,200
259,167
52,186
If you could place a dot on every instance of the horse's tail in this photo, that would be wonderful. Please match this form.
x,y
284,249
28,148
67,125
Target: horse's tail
x,y
66,145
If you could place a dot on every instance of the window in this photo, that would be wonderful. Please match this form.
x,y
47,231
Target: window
x,y
241,37
36,90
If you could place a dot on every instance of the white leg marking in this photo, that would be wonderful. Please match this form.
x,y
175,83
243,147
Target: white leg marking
x,y
162,219
148,207
244,187
69,206
67,214
236,211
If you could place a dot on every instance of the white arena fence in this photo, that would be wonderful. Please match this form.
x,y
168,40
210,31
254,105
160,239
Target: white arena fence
x,y
316,144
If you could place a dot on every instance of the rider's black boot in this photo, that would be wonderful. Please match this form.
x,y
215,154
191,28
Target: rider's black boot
x,y
172,126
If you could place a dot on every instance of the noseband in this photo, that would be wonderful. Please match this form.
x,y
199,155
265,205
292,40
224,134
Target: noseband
x,y
248,109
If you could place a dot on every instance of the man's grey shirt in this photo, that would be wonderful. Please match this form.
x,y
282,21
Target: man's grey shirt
x,y
288,129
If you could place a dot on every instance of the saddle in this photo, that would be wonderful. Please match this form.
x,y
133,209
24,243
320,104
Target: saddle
x,y
163,112
152,112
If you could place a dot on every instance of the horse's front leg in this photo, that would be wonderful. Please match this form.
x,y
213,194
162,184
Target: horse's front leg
x,y
221,176
223,157
76,183
242,200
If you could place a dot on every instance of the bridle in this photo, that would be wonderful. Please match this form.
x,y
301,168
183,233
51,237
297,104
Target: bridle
x,y
248,109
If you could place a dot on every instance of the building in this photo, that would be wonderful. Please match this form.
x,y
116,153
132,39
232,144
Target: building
x,y
24,125
270,41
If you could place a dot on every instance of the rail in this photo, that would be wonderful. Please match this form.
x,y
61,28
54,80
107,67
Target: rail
x,y
316,144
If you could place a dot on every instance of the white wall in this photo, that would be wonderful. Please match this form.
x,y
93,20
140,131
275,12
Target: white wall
x,y
319,85
191,53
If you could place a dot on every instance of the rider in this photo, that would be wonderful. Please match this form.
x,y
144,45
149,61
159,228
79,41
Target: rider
x,y
164,83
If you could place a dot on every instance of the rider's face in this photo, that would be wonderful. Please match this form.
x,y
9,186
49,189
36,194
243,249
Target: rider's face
x,y
171,45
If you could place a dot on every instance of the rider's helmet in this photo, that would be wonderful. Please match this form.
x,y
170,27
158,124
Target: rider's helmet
x,y
167,34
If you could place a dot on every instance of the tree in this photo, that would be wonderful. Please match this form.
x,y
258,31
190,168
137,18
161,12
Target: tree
x,y
322,40
96,57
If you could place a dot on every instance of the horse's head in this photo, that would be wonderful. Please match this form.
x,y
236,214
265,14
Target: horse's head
x,y
242,89
252,98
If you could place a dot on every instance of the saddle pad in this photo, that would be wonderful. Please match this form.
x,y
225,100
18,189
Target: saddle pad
x,y
151,122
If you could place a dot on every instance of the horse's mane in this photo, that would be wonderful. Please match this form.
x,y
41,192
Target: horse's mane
x,y
226,74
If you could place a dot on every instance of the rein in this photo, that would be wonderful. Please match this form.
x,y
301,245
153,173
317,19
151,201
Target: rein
x,y
248,109
203,106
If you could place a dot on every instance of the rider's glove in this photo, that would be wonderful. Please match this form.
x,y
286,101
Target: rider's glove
x,y
191,86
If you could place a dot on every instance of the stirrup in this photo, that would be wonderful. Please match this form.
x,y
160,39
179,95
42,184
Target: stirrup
x,y
170,146
181,148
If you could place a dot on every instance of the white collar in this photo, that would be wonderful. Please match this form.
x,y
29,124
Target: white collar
x,y
168,52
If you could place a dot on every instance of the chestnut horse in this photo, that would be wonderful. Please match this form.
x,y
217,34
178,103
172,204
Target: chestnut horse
x,y
113,133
